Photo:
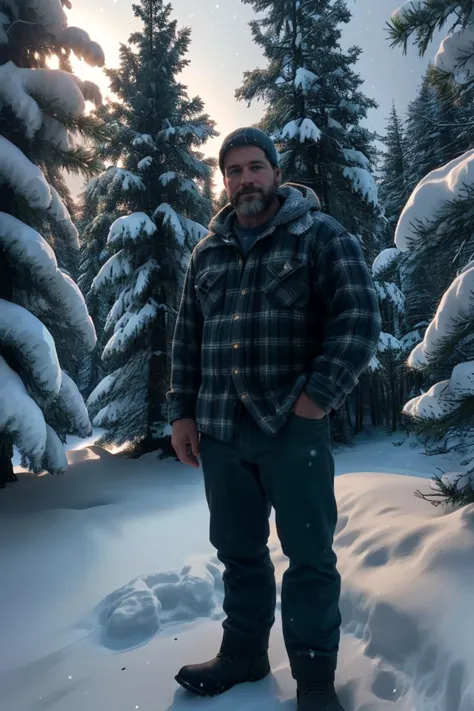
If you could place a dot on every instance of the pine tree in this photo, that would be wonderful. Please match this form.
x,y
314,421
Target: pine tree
x,y
45,329
315,105
393,182
423,134
159,196
436,229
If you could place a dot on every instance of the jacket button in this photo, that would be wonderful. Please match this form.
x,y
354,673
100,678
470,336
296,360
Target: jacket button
x,y
236,317
244,396
236,371
236,345
244,291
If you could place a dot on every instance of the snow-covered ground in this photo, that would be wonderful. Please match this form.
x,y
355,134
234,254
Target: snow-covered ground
x,y
109,585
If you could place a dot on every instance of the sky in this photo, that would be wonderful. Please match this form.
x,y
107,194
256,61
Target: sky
x,y
222,49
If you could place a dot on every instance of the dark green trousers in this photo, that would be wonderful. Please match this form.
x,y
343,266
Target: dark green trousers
x,y
294,473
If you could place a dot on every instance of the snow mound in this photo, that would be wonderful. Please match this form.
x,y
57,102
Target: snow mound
x,y
431,193
406,576
384,260
135,612
455,55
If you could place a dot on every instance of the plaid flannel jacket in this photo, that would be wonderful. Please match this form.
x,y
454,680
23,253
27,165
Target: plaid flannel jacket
x,y
300,312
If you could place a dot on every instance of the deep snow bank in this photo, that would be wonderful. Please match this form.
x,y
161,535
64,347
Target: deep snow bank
x,y
408,580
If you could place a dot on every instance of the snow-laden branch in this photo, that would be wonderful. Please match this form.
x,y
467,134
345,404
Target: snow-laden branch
x,y
23,176
32,347
21,417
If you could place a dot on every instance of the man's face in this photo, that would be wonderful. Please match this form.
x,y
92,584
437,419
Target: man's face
x,y
251,181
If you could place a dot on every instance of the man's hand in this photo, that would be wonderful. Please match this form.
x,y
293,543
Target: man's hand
x,y
185,441
305,407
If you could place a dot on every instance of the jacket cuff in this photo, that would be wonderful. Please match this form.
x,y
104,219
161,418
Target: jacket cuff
x,y
181,408
324,393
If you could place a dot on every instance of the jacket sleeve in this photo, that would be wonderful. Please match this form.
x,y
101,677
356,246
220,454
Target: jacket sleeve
x,y
186,353
352,319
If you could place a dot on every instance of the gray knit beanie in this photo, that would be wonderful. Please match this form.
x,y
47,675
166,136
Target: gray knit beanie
x,y
249,137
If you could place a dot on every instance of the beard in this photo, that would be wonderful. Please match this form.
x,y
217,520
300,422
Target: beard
x,y
259,203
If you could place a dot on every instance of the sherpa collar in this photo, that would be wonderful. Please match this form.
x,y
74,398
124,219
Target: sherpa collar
x,y
298,204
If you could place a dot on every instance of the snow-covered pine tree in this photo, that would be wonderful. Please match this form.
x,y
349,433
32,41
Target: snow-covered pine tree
x,y
160,192
44,325
315,105
314,110
439,218
388,382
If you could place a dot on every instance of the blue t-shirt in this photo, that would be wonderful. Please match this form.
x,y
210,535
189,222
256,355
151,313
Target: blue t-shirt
x,y
247,236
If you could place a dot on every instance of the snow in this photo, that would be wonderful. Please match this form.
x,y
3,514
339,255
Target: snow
x,y
195,230
83,47
114,269
441,185
171,218
26,246
145,163
455,55
304,129
388,291
387,342
102,390
410,340
407,7
166,178
351,107
129,327
305,79
143,276
125,594
384,260
33,348
356,157
56,133
115,179
48,13
445,397
362,182
73,408
122,303
456,304
54,458
72,309
23,176
90,91
20,416
23,88
201,131
143,139
58,211
61,294
131,227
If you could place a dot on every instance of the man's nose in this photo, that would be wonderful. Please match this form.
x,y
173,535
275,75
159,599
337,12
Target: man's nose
x,y
247,177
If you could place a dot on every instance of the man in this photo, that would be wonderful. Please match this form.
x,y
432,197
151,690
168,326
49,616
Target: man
x,y
277,320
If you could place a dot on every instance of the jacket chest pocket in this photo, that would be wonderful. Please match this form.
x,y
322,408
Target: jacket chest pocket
x,y
210,290
287,283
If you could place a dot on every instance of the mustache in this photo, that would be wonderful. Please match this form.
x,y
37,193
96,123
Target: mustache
x,y
247,191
